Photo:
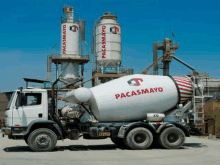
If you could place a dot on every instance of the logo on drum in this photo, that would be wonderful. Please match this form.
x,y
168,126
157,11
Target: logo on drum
x,y
135,81
114,29
74,28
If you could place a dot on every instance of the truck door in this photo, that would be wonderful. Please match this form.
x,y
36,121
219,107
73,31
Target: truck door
x,y
31,109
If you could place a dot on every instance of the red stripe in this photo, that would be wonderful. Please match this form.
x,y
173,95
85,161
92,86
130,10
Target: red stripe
x,y
184,85
185,89
182,78
189,93
183,82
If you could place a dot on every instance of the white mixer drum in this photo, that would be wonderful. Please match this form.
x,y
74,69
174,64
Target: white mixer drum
x,y
130,98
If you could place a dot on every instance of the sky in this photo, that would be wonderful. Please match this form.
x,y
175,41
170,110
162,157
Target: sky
x,y
30,28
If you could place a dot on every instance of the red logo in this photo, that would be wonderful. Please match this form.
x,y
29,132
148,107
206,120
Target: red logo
x,y
138,92
114,29
74,28
135,81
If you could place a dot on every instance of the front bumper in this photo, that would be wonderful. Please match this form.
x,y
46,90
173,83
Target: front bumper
x,y
6,131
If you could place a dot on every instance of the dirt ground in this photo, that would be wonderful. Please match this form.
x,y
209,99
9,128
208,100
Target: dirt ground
x,y
196,150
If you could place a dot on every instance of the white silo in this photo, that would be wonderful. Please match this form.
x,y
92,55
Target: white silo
x,y
69,44
107,41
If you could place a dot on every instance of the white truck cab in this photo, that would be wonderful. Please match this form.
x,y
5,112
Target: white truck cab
x,y
25,107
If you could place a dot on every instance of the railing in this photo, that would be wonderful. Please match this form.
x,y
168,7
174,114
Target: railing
x,y
198,103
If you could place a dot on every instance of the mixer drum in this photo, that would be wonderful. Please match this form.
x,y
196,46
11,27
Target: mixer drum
x,y
129,98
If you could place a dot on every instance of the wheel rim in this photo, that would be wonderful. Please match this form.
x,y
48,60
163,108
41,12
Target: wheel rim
x,y
42,141
140,138
172,137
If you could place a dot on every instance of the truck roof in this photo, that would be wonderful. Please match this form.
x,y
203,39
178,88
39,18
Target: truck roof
x,y
33,89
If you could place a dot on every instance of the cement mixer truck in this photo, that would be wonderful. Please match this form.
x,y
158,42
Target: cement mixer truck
x,y
133,111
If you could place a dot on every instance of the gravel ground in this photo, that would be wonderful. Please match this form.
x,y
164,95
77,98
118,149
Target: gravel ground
x,y
196,150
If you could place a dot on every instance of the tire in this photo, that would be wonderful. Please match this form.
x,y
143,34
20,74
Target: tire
x,y
172,138
139,138
119,142
26,141
42,139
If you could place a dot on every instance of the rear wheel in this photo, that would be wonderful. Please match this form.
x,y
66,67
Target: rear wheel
x,y
139,138
42,139
172,138
26,140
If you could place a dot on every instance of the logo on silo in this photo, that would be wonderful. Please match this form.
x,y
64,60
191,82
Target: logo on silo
x,y
64,39
135,81
114,29
103,42
74,28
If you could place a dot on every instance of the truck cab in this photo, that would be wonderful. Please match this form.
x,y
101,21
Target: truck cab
x,y
25,107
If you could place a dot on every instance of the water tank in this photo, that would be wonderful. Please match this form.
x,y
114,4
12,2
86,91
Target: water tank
x,y
108,41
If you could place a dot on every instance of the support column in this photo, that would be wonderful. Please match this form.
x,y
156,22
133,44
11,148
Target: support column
x,y
166,66
155,57
57,75
49,61
82,74
96,81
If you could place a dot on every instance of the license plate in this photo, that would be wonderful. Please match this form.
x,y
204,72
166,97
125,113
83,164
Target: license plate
x,y
104,134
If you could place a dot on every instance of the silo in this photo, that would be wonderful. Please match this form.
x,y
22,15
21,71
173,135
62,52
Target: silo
x,y
107,46
69,44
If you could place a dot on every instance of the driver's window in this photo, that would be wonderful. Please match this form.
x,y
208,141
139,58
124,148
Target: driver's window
x,y
32,99
29,99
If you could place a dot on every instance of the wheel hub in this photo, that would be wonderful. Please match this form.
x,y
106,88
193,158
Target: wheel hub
x,y
42,140
139,138
172,138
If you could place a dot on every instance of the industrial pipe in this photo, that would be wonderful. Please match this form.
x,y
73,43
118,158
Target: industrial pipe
x,y
155,63
53,115
182,62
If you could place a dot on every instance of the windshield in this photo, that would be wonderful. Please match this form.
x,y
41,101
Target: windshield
x,y
9,104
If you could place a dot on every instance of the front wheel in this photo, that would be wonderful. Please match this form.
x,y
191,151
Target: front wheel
x,y
42,139
26,140
172,138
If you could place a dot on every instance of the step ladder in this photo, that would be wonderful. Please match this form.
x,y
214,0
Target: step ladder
x,y
198,104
